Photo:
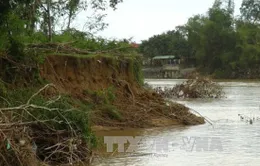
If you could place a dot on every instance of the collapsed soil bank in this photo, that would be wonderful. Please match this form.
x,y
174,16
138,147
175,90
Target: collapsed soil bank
x,y
89,79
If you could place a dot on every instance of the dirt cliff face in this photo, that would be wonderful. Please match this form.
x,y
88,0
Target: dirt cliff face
x,y
127,105
76,74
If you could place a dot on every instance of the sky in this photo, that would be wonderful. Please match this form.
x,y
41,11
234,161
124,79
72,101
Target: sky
x,y
141,19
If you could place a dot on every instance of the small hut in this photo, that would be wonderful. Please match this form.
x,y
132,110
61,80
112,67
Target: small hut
x,y
169,65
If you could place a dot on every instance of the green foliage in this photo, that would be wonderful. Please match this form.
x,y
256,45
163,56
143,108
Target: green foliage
x,y
250,10
216,39
68,110
220,43
105,96
169,43
12,32
111,94
137,70
84,40
28,21
36,38
3,89
105,99
16,49
220,73
111,111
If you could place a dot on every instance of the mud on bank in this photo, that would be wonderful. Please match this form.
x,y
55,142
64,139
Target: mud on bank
x,y
113,87
99,91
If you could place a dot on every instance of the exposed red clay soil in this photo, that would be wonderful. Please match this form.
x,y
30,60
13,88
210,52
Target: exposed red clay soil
x,y
137,107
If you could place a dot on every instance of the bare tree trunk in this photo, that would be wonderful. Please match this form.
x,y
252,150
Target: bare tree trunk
x,y
49,20
70,15
32,20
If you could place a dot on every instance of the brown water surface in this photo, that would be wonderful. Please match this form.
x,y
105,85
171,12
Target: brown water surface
x,y
229,142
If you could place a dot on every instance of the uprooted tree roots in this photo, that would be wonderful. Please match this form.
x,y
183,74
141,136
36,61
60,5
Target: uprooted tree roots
x,y
45,134
199,87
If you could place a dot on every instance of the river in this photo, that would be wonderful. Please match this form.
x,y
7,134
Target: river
x,y
228,141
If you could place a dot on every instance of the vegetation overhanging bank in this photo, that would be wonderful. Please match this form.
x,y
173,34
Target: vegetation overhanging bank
x,y
54,93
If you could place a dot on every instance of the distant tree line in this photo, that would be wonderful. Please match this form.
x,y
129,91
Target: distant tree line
x,y
220,44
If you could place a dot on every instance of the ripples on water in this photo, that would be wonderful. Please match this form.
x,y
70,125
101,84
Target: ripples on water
x,y
239,140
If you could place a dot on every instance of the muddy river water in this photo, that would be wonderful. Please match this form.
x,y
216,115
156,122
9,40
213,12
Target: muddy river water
x,y
228,141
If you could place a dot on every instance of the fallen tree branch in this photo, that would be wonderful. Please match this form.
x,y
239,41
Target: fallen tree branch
x,y
25,106
29,133
37,93
5,100
27,123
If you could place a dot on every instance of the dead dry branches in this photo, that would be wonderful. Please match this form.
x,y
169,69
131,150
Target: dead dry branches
x,y
30,132
199,87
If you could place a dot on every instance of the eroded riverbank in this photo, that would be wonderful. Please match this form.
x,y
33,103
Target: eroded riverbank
x,y
239,141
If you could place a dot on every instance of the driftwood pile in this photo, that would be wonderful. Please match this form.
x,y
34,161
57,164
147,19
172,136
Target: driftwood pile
x,y
193,88
27,139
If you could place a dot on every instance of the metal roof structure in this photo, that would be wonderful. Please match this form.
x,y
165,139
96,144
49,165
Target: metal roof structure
x,y
164,57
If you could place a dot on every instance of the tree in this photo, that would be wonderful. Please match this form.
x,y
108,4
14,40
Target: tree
x,y
46,14
212,38
228,5
222,45
250,11
169,43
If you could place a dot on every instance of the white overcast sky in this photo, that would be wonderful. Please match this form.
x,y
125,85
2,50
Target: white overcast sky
x,y
142,19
